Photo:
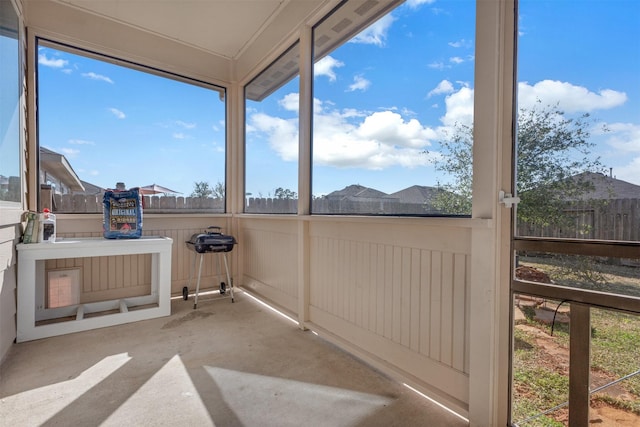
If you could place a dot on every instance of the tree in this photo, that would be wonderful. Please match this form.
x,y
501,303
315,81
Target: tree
x,y
551,151
455,197
202,190
285,194
218,190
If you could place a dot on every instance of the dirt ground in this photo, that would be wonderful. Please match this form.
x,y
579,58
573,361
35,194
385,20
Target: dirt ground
x,y
556,358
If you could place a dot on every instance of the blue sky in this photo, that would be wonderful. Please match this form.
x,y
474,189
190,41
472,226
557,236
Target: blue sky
x,y
382,102
114,125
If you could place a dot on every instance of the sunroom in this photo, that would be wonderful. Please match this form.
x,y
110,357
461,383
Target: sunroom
x,y
421,183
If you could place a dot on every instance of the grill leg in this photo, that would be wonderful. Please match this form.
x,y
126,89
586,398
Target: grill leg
x,y
185,291
195,303
229,282
219,272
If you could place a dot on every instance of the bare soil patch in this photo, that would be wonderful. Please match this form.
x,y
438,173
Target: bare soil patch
x,y
555,357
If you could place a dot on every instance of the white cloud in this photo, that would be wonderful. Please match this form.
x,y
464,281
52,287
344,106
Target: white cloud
x,y
461,43
624,137
359,83
326,66
391,129
376,33
119,114
406,111
282,134
290,102
178,135
438,66
351,138
383,139
444,86
185,125
459,107
416,3
570,98
624,142
629,172
50,62
98,77
456,60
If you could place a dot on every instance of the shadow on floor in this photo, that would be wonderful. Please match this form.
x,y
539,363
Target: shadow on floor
x,y
224,364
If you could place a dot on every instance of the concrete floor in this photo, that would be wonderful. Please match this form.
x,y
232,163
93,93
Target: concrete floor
x,y
223,364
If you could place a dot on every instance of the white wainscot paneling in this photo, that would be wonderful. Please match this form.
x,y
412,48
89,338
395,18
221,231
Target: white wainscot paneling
x,y
270,260
400,293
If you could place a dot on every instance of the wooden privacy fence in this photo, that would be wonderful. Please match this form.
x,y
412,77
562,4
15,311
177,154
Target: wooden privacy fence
x,y
330,206
615,219
80,203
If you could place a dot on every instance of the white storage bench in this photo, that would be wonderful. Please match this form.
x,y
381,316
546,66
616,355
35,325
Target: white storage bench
x,y
31,284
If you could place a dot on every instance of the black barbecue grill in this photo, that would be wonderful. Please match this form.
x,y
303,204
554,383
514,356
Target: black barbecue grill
x,y
211,241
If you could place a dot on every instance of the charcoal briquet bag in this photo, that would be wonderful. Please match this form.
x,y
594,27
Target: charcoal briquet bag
x,y
122,214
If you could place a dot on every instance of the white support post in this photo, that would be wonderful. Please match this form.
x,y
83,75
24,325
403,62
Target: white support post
x,y
490,251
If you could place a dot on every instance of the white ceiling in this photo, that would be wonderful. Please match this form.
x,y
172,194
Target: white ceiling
x,y
229,29
221,27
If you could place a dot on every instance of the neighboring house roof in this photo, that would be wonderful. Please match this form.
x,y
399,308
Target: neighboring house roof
x,y
89,189
357,192
417,194
57,165
607,187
